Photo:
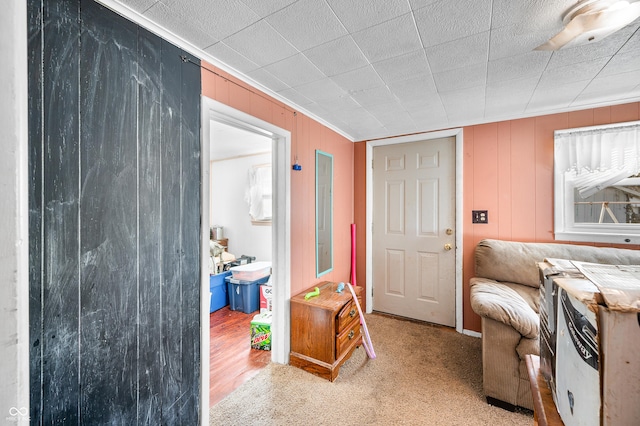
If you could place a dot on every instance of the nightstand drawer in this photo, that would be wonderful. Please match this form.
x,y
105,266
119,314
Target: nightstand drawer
x,y
346,315
344,339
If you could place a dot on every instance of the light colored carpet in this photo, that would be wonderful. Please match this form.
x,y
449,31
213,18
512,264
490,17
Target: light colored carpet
x,y
422,375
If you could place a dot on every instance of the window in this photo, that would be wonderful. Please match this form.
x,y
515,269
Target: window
x,y
597,184
259,194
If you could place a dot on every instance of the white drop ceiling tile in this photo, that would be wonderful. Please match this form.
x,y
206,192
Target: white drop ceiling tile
x,y
265,8
362,119
389,39
614,83
358,79
503,108
356,15
295,70
209,18
261,44
427,117
230,57
577,72
514,40
307,23
140,6
535,15
337,56
369,97
622,63
605,97
266,79
431,104
386,109
516,87
296,97
466,114
530,64
181,24
464,99
447,20
419,4
389,36
318,109
343,103
510,98
604,48
403,67
461,78
413,89
560,97
377,133
402,127
459,53
633,43
321,90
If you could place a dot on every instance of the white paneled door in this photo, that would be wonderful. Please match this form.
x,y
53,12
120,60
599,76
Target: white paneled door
x,y
414,230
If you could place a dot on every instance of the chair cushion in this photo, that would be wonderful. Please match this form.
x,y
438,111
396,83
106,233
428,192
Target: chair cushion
x,y
501,303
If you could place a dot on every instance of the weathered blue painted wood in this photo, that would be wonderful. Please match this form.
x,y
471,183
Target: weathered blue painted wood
x,y
115,173
34,24
190,135
60,197
108,234
150,198
172,315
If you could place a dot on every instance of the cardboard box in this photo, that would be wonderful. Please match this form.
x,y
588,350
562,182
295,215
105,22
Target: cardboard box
x,y
261,332
266,298
551,269
595,368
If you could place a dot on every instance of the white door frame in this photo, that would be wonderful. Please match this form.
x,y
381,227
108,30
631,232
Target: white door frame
x,y
458,215
281,232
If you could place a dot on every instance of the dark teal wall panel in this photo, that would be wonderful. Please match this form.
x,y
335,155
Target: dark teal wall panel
x,y
115,213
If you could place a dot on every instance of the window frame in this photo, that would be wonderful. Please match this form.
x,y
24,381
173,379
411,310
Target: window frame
x,y
565,228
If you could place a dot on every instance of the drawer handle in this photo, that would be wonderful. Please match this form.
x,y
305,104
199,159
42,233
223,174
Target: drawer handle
x,y
351,334
352,313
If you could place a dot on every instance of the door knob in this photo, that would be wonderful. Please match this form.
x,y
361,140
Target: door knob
x,y
447,247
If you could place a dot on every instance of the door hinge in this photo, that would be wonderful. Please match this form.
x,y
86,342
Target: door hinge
x,y
372,164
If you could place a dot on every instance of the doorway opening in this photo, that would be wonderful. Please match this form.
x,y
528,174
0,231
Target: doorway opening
x,y
458,134
213,114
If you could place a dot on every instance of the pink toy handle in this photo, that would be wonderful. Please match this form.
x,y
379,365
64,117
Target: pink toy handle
x,y
353,254
368,346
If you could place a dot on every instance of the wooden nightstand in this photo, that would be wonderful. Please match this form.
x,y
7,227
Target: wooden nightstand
x,y
325,329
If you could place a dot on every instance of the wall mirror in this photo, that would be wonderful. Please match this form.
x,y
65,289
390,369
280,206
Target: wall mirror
x,y
324,213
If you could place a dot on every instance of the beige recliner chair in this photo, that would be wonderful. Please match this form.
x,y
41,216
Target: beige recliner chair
x,y
505,293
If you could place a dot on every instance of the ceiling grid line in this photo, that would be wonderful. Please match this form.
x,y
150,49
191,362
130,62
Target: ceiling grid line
x,y
379,68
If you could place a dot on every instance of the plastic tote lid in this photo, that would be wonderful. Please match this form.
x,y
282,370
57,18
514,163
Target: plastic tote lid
x,y
251,267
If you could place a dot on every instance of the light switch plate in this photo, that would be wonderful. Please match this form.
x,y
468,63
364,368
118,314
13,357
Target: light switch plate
x,y
480,216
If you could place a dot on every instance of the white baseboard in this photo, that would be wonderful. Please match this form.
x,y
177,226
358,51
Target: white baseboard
x,y
472,333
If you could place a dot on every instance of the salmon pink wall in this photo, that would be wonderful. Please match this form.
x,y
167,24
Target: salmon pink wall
x,y
307,135
507,170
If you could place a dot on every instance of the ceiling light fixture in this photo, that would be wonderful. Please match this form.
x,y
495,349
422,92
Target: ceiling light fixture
x,y
592,20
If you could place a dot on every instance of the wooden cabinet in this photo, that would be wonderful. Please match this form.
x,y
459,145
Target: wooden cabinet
x,y
325,329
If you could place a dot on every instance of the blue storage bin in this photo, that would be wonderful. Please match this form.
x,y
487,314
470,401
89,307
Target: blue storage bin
x,y
244,295
218,288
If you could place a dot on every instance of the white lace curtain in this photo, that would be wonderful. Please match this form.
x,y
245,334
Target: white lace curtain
x,y
596,158
259,193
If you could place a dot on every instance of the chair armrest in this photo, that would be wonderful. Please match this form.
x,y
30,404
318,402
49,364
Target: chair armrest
x,y
501,303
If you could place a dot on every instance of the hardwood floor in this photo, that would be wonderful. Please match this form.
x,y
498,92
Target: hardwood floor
x,y
232,361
